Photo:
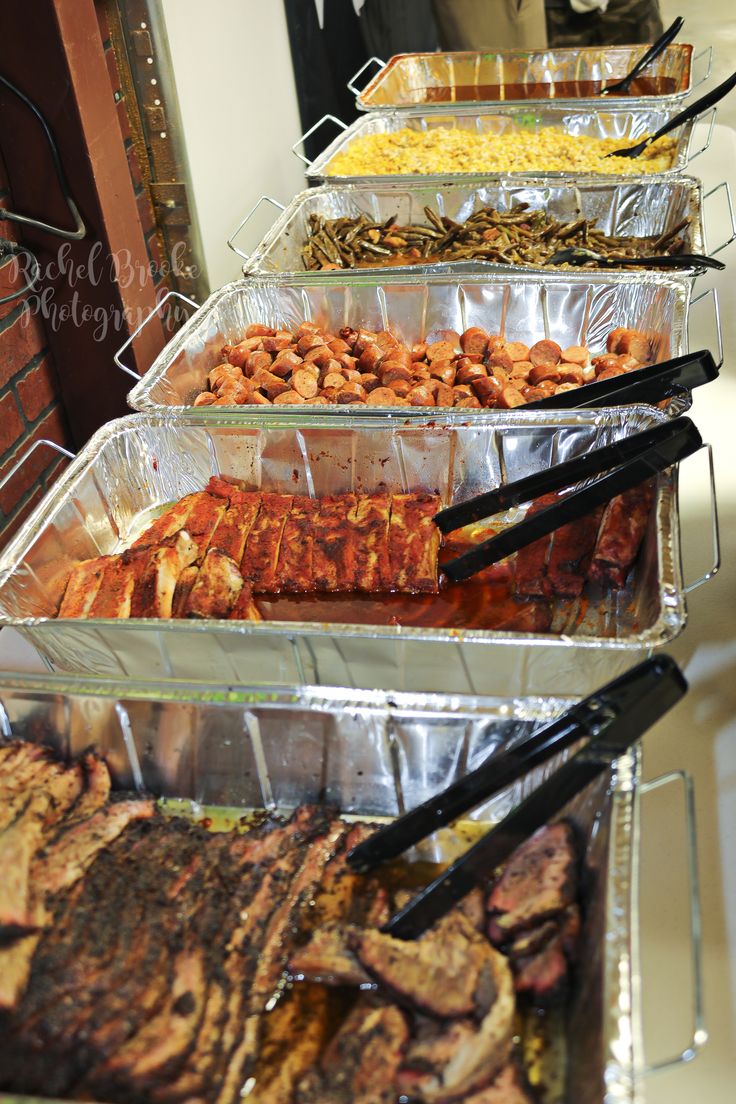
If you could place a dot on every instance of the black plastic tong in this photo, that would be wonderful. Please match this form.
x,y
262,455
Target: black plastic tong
x,y
633,460
685,116
652,384
646,59
611,720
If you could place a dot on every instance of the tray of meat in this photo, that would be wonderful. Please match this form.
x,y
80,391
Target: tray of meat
x,y
555,141
184,906
501,225
308,553
533,76
366,341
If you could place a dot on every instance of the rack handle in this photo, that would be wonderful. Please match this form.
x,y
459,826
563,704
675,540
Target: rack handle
x,y
732,214
248,217
709,136
371,61
713,294
36,444
709,51
699,1033
332,119
715,530
144,323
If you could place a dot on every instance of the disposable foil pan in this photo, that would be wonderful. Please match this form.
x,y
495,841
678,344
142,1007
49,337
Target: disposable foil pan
x,y
407,80
639,206
628,123
137,464
374,755
576,310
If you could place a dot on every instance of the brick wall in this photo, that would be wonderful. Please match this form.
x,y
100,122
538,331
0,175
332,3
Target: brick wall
x,y
30,407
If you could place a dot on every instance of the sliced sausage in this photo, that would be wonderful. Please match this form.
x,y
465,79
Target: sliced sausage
x,y
369,381
304,384
382,396
501,359
288,398
333,379
308,341
474,340
401,387
576,354
510,398
280,340
443,370
205,398
471,372
370,358
517,350
545,352
444,395
352,393
256,329
440,350
420,396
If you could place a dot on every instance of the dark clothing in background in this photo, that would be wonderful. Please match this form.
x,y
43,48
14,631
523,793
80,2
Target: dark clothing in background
x,y
624,22
397,27
324,60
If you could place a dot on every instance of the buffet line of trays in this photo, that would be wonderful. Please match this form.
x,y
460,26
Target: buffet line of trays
x,y
426,450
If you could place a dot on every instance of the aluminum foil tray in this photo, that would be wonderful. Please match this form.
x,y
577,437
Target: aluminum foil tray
x,y
638,206
135,465
575,310
375,756
628,122
405,79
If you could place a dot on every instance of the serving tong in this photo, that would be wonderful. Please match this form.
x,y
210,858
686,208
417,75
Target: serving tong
x,y
610,721
652,384
645,60
694,109
578,255
633,460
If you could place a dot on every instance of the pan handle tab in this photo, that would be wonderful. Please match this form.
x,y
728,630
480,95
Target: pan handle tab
x,y
709,51
144,323
36,444
332,119
717,320
248,217
699,1032
371,61
715,530
732,214
709,136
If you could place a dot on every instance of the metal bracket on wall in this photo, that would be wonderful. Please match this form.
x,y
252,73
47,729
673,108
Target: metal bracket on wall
x,y
138,35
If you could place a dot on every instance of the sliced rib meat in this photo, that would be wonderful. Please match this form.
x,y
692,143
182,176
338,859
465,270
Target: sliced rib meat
x,y
446,972
539,880
361,1063
450,1059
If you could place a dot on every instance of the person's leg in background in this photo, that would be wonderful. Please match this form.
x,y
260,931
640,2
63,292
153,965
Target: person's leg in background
x,y
491,24
624,22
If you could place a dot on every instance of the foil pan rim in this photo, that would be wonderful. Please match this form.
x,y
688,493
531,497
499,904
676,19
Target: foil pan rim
x,y
315,170
667,626
138,397
684,49
470,182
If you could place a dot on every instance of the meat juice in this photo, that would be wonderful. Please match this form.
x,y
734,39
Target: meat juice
x,y
539,1035
544,90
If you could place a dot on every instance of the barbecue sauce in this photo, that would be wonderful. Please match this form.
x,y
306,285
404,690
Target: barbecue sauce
x,y
545,90
485,601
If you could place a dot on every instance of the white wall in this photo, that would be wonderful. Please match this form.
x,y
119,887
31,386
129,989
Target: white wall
x,y
235,82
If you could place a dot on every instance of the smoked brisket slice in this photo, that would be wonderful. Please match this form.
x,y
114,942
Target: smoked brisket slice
x,y
538,881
